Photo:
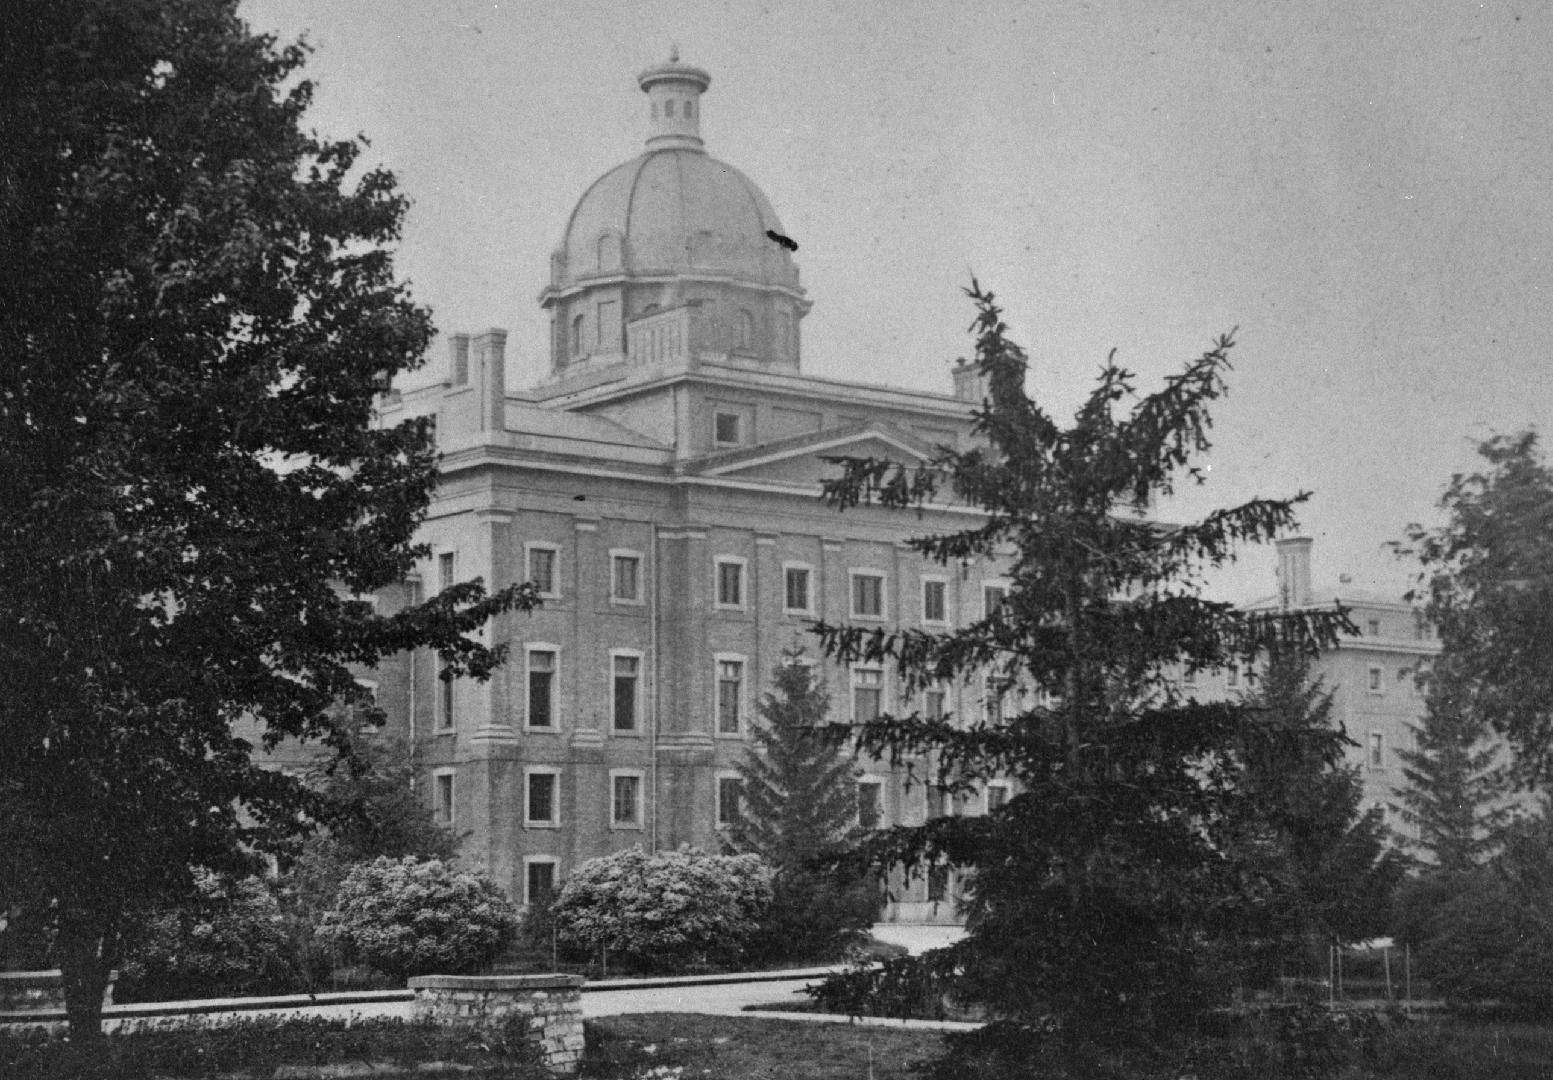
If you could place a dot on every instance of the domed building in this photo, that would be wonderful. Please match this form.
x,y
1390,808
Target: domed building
x,y
660,485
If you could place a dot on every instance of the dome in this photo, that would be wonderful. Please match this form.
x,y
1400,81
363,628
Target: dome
x,y
675,211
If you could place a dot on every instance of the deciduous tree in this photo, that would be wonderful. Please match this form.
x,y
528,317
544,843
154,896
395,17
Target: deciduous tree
x,y
1093,890
198,310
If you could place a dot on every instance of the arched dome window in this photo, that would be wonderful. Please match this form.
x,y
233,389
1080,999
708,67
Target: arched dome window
x,y
746,329
576,335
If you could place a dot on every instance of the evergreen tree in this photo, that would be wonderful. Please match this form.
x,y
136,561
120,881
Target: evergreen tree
x,y
1458,785
1094,890
798,810
198,312
1329,869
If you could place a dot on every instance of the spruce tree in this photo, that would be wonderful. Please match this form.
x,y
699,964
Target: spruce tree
x,y
1093,891
799,811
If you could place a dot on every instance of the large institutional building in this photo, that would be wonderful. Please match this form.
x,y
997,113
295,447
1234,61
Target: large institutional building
x,y
661,488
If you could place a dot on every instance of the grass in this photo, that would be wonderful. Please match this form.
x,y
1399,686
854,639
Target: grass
x,y
734,1047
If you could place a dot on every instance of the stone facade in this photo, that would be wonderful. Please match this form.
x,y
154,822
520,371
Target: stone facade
x,y
548,1007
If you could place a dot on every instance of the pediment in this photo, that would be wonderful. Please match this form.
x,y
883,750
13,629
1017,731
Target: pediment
x,y
800,460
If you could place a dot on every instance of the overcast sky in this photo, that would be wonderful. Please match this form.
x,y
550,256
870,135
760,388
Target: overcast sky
x,y
1364,189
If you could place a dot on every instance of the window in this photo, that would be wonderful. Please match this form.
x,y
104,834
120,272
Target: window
x,y
935,600
538,879
541,567
626,680
446,570
1232,678
625,800
993,596
993,688
867,595
730,583
625,577
933,700
541,687
867,694
668,108
1377,750
444,708
1189,677
540,804
746,330
997,796
1372,628
796,590
730,796
442,780
937,884
730,695
608,325
870,803
576,335
725,429
1376,685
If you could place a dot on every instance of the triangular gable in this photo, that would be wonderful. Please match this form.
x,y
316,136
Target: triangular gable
x,y
799,460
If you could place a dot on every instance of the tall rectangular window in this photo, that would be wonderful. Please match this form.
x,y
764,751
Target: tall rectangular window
x,y
730,793
870,803
541,688
541,804
443,780
933,700
867,694
447,572
993,689
867,595
541,569
935,601
538,880
937,884
993,597
444,700
626,677
795,589
1377,750
730,583
1376,683
1372,627
625,800
626,578
730,696
1232,678
997,796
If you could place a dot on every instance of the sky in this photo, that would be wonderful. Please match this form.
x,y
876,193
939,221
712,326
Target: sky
x,y
1363,191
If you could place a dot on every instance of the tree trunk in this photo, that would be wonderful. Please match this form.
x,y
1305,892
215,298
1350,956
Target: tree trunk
x,y
87,947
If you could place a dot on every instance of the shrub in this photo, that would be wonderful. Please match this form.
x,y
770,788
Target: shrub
x,y
229,941
666,911
408,917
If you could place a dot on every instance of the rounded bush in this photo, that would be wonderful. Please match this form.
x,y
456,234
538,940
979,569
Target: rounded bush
x,y
419,917
667,911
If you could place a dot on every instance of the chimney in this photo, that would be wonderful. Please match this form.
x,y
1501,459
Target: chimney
x,y
1294,571
458,359
490,365
970,382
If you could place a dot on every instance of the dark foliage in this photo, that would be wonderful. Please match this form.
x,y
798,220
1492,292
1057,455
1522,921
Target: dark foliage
x,y
1487,585
197,313
1094,890
798,810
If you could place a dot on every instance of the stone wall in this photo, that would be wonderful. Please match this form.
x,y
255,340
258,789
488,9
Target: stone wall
x,y
550,1005
33,991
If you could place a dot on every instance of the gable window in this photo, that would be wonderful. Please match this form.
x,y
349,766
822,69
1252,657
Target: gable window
x,y
626,679
730,695
730,583
796,590
867,595
935,600
730,794
541,687
870,803
542,560
726,429
867,694
541,804
625,576
625,799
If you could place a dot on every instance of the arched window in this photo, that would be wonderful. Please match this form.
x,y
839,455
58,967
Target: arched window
x,y
690,109
668,109
746,329
576,335
609,252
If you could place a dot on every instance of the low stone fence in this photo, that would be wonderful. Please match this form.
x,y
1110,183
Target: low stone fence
x,y
551,1005
35,991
